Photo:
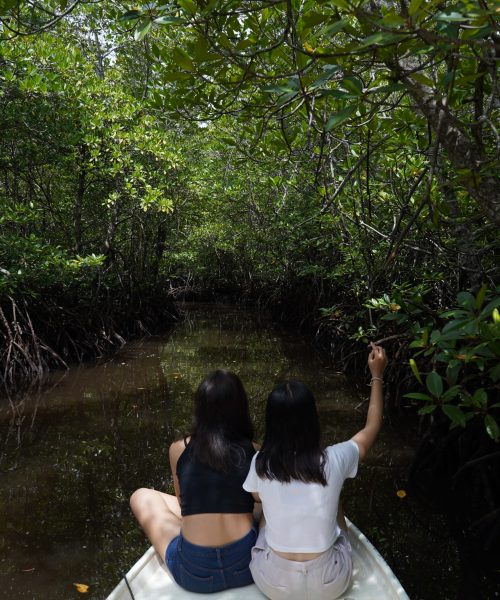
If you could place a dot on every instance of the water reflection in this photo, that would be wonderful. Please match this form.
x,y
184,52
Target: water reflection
x,y
73,450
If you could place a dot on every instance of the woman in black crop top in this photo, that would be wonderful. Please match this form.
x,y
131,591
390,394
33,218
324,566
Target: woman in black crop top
x,y
206,531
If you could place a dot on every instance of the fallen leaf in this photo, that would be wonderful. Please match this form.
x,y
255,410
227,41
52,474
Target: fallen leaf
x,y
83,588
401,494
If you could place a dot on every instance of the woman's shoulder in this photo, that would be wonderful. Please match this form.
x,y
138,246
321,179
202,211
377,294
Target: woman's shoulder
x,y
347,446
177,448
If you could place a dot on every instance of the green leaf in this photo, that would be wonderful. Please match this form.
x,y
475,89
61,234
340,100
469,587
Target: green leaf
x,y
353,85
423,79
434,384
494,373
341,4
335,27
453,17
6,5
175,76
276,89
414,6
188,5
418,396
451,393
313,18
391,87
339,118
130,15
473,34
285,98
417,344
454,313
182,59
169,20
330,71
491,427
466,299
415,371
480,296
454,414
480,398
425,410
495,303
381,38
337,94
142,29
453,325
392,19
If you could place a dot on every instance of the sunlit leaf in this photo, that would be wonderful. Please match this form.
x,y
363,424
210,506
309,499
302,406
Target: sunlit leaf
x,y
415,371
492,427
142,29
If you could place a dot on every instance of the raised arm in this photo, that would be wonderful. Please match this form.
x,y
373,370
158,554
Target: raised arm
x,y
377,362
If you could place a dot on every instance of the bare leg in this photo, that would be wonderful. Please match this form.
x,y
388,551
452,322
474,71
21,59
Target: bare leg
x,y
159,515
341,519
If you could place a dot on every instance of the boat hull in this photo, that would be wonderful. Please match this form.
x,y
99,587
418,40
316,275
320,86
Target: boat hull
x,y
149,579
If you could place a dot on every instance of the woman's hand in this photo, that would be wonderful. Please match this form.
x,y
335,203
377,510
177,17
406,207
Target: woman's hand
x,y
377,360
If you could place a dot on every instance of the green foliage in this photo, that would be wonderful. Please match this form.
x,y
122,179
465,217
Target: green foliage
x,y
321,182
463,347
85,170
305,65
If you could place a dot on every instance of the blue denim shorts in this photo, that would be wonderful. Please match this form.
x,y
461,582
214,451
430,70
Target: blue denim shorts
x,y
205,570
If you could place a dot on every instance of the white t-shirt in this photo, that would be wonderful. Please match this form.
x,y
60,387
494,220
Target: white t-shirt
x,y
302,517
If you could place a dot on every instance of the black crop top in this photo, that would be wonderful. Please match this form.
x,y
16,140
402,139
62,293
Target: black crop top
x,y
205,490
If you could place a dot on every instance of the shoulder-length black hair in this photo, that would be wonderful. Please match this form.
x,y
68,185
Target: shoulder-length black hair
x,y
291,447
221,420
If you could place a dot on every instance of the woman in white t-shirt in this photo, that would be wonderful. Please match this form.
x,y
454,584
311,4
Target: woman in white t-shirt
x,y
303,549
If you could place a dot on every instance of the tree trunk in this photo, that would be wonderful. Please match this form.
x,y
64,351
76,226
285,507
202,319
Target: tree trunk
x,y
464,152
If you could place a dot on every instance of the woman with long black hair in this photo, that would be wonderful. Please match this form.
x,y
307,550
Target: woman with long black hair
x,y
303,549
206,531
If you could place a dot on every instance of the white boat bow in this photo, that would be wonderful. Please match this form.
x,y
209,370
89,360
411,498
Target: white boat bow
x,y
149,579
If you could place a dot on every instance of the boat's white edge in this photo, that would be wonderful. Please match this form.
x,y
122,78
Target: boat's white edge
x,y
133,573
357,539
354,532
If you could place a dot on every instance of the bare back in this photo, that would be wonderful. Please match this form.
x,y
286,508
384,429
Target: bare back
x,y
208,529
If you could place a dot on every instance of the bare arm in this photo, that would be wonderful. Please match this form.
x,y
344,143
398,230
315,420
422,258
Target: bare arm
x,y
377,361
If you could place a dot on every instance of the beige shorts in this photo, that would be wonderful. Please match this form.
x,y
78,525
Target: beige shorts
x,y
323,578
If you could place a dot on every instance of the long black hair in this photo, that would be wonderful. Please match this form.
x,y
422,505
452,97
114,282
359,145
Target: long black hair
x,y
291,448
221,421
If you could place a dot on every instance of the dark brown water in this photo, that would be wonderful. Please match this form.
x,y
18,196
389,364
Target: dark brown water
x,y
72,453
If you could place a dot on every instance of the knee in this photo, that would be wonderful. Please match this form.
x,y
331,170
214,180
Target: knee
x,y
138,498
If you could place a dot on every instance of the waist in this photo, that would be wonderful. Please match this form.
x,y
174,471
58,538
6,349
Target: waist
x,y
216,529
298,556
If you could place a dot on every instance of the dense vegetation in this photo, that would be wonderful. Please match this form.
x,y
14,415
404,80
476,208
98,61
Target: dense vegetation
x,y
336,161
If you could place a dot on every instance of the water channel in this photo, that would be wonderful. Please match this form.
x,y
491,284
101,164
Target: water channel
x,y
72,452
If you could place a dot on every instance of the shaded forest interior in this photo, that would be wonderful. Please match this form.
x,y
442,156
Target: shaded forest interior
x,y
332,162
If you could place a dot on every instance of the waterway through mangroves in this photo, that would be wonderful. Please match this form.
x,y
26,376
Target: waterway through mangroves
x,y
72,452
